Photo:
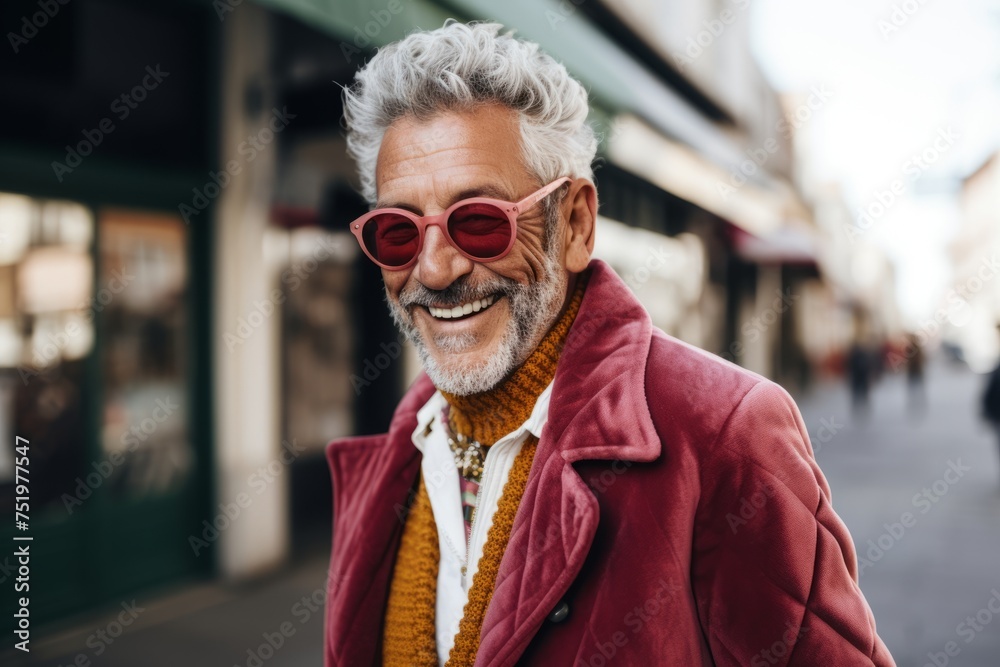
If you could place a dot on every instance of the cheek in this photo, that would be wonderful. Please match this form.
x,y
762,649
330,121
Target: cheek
x,y
394,282
526,261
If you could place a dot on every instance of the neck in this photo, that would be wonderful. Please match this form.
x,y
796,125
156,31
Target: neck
x,y
490,415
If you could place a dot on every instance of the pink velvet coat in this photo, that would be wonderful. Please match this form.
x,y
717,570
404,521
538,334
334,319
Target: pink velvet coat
x,y
674,515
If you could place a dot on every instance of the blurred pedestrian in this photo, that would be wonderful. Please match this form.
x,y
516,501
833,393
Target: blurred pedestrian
x,y
860,368
916,392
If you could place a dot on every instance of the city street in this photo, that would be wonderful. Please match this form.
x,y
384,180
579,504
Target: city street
x,y
923,581
200,236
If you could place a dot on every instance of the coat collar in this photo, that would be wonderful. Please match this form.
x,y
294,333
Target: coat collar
x,y
599,393
598,411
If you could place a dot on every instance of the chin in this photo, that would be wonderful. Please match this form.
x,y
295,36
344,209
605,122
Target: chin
x,y
468,373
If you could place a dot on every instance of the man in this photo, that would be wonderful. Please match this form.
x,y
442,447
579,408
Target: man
x,y
565,484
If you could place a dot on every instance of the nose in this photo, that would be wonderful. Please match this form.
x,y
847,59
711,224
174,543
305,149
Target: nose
x,y
439,264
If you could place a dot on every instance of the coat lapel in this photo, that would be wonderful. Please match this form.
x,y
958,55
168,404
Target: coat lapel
x,y
373,478
598,411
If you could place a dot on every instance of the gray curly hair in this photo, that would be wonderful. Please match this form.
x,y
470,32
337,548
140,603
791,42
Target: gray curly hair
x,y
458,66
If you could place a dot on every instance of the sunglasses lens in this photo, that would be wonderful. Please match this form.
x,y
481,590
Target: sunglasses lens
x,y
391,239
481,230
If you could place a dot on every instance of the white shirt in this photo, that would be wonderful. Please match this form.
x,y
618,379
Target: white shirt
x,y
442,482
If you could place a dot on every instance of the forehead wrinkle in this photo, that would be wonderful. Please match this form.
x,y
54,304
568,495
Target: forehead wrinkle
x,y
420,164
412,159
450,185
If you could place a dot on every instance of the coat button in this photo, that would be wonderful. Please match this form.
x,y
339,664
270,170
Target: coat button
x,y
560,613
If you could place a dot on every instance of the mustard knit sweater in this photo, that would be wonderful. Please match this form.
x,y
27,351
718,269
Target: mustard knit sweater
x,y
409,631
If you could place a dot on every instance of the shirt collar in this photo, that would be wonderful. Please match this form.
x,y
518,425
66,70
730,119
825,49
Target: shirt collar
x,y
425,418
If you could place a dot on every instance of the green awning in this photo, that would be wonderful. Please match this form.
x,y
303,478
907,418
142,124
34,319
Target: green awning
x,y
616,82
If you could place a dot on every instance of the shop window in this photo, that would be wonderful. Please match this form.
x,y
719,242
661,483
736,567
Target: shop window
x,y
317,337
46,333
141,290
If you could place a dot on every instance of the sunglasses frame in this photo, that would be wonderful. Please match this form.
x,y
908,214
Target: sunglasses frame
x,y
511,209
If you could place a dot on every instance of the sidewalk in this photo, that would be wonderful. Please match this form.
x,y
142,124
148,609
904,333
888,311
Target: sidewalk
x,y
205,625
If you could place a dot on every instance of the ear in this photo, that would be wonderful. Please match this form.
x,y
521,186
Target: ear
x,y
579,207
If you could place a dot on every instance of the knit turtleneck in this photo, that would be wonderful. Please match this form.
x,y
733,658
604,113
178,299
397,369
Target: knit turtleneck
x,y
492,414
409,631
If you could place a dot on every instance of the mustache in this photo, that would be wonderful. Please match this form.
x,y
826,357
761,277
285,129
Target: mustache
x,y
456,294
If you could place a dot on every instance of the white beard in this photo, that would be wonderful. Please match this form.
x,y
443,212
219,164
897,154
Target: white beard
x,y
533,309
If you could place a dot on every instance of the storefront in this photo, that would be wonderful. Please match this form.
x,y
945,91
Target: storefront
x,y
103,315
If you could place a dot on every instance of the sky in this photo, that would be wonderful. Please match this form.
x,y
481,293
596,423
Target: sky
x,y
903,73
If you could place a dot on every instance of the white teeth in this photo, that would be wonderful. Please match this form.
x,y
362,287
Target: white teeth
x,y
459,311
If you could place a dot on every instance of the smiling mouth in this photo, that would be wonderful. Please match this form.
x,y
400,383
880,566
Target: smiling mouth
x,y
463,311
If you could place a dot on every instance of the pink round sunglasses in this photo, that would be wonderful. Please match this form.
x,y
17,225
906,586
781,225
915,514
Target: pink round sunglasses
x,y
481,228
